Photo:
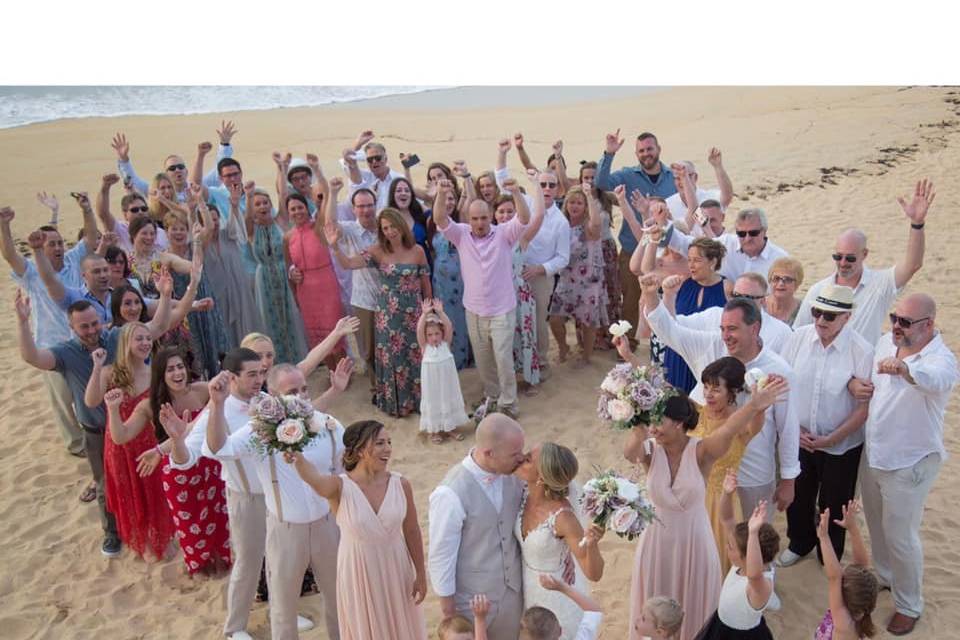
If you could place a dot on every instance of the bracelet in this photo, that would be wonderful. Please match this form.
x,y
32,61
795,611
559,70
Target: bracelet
x,y
917,226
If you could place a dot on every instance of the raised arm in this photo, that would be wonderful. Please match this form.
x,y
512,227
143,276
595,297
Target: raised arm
x,y
445,319
414,539
849,522
177,428
353,169
49,277
98,380
330,220
834,572
50,202
568,528
39,358
502,148
634,447
630,216
716,445
916,212
225,150
441,217
566,182
89,222
197,175
593,210
581,599
185,304
327,486
425,307
216,435
320,188
759,587
332,234
283,165
339,379
103,202
539,209
522,152
727,517
7,247
605,180
122,148
160,323
469,193
723,180
344,327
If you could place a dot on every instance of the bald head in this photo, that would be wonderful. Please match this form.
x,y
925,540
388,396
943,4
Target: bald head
x,y
499,446
495,428
918,305
479,218
851,241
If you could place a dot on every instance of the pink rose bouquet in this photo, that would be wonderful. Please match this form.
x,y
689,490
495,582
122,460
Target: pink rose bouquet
x,y
282,423
617,504
633,395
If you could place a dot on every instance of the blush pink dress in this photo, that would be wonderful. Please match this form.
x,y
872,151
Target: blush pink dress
x,y
318,296
375,573
677,556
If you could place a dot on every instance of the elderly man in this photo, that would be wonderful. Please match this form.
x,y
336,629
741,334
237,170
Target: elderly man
x,y
913,375
132,205
677,203
486,262
650,178
739,336
874,290
750,286
378,177
824,357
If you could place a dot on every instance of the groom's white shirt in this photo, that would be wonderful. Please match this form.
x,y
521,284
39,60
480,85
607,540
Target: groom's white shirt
x,y
446,518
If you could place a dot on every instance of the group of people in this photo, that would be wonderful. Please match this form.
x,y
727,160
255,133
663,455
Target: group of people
x,y
156,332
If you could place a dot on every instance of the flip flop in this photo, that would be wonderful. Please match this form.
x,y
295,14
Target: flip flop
x,y
456,435
89,493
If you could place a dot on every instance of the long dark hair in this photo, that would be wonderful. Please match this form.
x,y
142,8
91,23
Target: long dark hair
x,y
416,210
159,392
114,252
116,301
355,439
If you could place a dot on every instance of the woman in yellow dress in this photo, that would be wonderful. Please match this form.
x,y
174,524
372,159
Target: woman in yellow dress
x,y
722,380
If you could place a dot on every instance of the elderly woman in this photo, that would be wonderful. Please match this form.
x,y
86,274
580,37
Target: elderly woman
x,y
785,277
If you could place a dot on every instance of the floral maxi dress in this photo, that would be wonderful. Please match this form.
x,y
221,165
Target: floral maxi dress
x,y
581,293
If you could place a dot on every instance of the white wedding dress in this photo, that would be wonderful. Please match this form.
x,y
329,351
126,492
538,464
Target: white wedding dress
x,y
543,552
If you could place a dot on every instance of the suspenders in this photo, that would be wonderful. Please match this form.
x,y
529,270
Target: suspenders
x,y
276,483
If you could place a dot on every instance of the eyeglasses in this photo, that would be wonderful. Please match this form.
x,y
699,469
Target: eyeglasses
x,y
905,323
548,185
837,257
377,158
829,316
753,233
746,296
142,209
782,280
176,167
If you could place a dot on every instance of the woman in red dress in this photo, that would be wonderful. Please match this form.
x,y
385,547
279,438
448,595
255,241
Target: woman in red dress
x,y
134,495
196,498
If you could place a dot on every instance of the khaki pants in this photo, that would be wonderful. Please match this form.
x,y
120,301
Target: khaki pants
x,y
366,341
248,513
893,507
750,497
291,547
631,295
93,442
542,289
492,340
61,403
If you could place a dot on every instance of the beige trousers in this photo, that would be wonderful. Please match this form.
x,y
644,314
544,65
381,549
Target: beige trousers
x,y
542,289
61,403
750,497
291,547
366,341
248,513
492,341
631,294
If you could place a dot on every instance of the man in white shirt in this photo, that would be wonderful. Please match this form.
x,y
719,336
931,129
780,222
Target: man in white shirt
x,y
677,202
378,177
132,205
739,336
874,290
913,376
751,286
824,357
300,529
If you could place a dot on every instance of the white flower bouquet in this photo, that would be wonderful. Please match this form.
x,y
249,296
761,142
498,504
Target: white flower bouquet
x,y
630,396
282,423
616,504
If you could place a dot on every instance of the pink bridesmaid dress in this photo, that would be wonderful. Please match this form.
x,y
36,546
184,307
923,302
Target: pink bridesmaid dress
x,y
375,574
318,296
677,556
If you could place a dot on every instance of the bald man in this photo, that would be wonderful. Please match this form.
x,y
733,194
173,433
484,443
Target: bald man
x,y
874,290
472,513
913,375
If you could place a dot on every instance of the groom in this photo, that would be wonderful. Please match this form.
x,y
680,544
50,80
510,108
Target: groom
x,y
472,515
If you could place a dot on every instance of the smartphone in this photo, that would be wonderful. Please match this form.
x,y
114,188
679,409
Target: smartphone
x,y
410,161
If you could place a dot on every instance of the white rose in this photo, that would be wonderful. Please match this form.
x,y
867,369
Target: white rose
x,y
613,385
290,431
627,490
623,518
620,329
755,377
620,410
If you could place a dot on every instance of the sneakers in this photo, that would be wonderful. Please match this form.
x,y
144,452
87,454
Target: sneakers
x,y
304,624
240,635
788,558
111,546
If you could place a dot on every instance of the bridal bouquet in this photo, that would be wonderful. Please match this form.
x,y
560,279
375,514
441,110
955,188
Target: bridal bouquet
x,y
282,423
633,395
617,504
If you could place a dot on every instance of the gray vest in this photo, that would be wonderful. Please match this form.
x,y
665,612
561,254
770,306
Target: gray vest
x,y
488,560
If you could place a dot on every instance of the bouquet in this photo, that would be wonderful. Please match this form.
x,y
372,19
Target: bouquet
x,y
633,395
282,423
616,504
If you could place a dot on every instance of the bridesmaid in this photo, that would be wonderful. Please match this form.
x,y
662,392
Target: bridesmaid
x,y
381,577
274,297
677,556
404,283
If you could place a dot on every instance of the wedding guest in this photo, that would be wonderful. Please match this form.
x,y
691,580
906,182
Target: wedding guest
x,y
540,623
874,290
611,268
401,198
487,188
785,277
378,176
913,376
660,619
162,199
120,273
132,205
678,202
147,259
441,402
381,579
404,284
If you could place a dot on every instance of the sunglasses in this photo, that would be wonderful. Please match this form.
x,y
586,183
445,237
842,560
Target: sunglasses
x,y
142,209
377,158
753,233
782,280
746,296
177,167
829,316
548,185
837,257
905,323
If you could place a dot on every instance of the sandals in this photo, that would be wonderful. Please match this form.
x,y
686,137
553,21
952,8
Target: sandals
x,y
438,438
89,494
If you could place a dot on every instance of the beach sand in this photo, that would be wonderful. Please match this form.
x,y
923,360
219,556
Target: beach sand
x,y
817,159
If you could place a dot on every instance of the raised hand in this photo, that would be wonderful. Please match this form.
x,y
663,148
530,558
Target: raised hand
x,y
510,185
203,305
592,536
730,481
460,169
196,191
773,391
332,233
340,377
614,142
164,282
347,325
649,282
637,200
49,201
504,145
175,426
82,199
108,180
518,140
558,148
226,131
236,190
438,306
121,146
622,345
426,305
248,188
916,209
114,397
204,148
715,159
21,304
336,183
534,176
350,157
313,161
672,282
363,138
219,386
99,356
758,517
823,528
7,214
849,511
480,606
36,239
679,170
277,159
620,191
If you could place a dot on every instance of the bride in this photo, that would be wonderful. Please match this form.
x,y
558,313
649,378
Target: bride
x,y
550,533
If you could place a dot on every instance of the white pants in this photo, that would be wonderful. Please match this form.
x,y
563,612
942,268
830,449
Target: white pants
x,y
492,340
248,530
893,507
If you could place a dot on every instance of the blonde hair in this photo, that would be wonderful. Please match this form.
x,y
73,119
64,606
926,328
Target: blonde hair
x,y
666,614
792,265
253,338
393,217
557,467
456,624
122,374
573,191
156,208
172,217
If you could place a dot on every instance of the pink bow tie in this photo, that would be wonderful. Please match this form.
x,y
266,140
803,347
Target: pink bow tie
x,y
488,480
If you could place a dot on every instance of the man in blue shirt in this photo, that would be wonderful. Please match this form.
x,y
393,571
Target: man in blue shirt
x,y
651,178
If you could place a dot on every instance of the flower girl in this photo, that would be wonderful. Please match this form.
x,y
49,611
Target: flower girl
x,y
441,402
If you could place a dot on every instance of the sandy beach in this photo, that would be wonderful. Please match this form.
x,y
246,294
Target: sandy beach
x,y
816,159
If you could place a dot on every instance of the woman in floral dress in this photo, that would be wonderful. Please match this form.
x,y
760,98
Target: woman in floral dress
x,y
448,285
404,283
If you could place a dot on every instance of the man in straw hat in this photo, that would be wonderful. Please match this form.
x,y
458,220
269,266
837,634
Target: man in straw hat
x,y
824,356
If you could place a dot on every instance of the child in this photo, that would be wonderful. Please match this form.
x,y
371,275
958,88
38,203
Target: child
x,y
441,403
459,628
660,618
746,591
853,589
538,623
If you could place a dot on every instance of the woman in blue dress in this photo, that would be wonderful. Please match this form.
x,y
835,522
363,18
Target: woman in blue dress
x,y
402,198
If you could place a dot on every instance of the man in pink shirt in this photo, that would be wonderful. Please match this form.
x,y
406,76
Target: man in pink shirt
x,y
486,263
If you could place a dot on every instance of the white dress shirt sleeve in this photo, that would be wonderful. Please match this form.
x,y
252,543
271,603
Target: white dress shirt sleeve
x,y
194,442
788,433
706,320
689,343
561,256
935,373
445,516
589,627
239,444
679,241
127,170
